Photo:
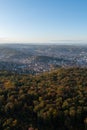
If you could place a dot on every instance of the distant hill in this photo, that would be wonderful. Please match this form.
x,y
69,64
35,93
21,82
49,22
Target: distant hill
x,y
25,58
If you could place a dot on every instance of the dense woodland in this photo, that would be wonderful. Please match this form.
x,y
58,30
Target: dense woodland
x,y
55,100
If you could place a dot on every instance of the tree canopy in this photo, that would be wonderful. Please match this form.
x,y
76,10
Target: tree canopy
x,y
55,100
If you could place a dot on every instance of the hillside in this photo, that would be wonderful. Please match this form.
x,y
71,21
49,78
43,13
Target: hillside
x,y
52,100
34,59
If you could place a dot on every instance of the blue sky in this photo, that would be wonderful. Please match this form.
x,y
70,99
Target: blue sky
x,y
43,21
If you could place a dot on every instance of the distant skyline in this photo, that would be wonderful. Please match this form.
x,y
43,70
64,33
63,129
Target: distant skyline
x,y
43,21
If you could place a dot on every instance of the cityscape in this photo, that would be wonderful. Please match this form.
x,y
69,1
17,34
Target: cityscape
x,y
35,59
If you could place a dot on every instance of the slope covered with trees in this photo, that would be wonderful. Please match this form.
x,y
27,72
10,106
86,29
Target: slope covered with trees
x,y
55,100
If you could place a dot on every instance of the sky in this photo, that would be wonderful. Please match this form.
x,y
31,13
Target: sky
x,y
43,21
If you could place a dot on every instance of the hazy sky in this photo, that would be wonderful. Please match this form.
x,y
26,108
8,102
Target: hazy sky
x,y
43,21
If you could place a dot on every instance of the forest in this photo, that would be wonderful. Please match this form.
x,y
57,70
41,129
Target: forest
x,y
55,100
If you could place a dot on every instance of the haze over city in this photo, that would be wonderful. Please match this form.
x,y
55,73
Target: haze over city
x,y
43,21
